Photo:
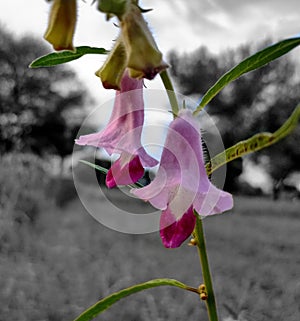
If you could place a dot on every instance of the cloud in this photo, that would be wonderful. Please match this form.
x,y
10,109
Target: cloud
x,y
183,25
223,23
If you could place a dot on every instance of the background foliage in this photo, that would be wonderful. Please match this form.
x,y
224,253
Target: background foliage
x,y
40,110
55,262
55,266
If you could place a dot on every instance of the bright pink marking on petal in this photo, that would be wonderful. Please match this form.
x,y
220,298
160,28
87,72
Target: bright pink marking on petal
x,y
136,169
110,180
126,170
174,232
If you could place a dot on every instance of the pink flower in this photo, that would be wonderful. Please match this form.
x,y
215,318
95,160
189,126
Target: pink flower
x,y
122,135
181,184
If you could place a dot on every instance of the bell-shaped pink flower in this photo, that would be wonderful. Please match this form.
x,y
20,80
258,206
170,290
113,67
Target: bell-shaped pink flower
x,y
181,184
122,135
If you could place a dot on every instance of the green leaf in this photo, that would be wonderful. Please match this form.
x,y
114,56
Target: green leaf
x,y
107,302
61,57
253,62
254,143
97,167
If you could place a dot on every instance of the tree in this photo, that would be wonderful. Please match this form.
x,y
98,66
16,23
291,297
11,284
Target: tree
x,y
40,109
258,101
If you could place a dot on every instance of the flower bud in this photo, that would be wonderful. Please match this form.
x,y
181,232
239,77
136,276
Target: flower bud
x,y
113,69
113,7
144,60
61,24
203,296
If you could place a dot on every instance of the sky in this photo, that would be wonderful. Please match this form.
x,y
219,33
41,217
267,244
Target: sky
x,y
177,24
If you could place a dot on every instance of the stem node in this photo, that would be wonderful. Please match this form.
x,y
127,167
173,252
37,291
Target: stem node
x,y
192,242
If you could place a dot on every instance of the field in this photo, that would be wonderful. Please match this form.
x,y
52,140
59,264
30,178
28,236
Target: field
x,y
55,266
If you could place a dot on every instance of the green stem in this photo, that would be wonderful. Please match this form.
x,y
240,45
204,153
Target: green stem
x,y
200,242
198,232
170,92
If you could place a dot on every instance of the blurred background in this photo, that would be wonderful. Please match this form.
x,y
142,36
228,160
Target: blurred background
x,y
55,261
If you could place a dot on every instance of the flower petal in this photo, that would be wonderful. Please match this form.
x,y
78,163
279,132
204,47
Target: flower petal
x,y
156,193
174,232
124,171
181,183
213,201
209,199
124,130
177,178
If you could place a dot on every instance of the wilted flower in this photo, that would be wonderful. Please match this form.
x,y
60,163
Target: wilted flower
x,y
135,48
144,58
61,24
123,135
181,184
113,69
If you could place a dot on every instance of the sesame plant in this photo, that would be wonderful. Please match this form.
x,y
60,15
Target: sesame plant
x,y
181,190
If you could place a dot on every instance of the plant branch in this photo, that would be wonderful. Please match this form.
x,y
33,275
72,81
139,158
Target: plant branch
x,y
201,247
170,92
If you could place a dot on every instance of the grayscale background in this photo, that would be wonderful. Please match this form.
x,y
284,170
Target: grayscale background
x,y
56,259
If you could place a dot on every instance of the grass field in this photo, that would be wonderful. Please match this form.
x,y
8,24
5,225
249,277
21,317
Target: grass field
x,y
65,261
